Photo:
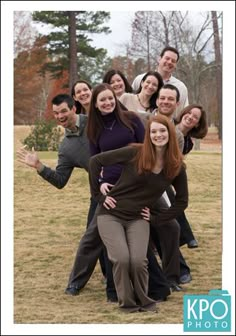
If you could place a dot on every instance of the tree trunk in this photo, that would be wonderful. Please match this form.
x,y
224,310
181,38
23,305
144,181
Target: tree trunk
x,y
148,49
166,30
73,68
218,70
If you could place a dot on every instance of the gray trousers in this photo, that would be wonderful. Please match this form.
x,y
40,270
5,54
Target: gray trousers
x,y
127,243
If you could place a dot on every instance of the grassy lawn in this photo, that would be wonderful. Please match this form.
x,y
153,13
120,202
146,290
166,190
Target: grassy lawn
x,y
48,224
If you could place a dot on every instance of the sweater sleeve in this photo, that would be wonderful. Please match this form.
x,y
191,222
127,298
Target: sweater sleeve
x,y
188,144
60,176
123,99
165,214
96,162
139,130
180,139
93,148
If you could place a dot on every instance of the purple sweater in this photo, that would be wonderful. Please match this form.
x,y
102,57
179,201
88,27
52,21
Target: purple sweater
x,y
116,137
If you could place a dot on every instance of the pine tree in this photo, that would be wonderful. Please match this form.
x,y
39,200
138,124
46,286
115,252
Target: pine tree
x,y
68,26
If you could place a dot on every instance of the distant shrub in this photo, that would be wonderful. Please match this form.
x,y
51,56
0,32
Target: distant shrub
x,y
44,136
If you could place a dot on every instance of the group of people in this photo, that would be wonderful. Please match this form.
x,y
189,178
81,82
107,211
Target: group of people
x,y
132,141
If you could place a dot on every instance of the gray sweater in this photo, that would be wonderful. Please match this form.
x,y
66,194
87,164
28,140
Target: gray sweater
x,y
73,152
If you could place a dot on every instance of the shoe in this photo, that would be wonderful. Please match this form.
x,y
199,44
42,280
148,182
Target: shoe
x,y
72,291
185,278
175,288
192,244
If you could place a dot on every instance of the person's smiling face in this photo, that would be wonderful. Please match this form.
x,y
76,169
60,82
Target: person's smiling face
x,y
159,134
106,102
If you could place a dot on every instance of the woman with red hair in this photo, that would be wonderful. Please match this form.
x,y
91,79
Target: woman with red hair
x,y
124,212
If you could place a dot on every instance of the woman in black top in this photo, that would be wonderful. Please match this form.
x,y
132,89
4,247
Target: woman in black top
x,y
148,169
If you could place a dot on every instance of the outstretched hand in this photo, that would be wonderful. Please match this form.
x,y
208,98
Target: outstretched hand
x,y
30,158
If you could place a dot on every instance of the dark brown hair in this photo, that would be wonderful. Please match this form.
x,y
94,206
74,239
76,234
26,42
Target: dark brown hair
x,y
168,48
95,123
199,131
110,73
153,98
79,107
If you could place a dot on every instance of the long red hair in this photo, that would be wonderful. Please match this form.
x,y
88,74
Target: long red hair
x,y
146,155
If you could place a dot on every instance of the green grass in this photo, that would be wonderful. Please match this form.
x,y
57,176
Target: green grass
x,y
48,224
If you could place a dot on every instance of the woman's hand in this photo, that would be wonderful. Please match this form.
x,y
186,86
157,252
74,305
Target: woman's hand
x,y
109,203
146,214
105,188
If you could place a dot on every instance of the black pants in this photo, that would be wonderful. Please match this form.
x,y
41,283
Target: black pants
x,y
158,286
184,268
186,233
88,252
102,257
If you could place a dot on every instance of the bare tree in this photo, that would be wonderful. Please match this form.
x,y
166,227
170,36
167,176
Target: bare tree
x,y
218,62
166,20
24,33
197,67
193,35
152,31
142,36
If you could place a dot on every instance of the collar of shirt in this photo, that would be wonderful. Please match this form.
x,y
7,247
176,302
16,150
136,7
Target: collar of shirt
x,y
155,112
68,132
166,81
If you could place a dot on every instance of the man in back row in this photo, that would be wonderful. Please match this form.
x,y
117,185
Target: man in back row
x,y
168,101
167,63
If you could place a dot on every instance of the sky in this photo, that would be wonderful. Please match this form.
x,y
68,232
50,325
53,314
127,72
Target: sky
x,y
120,26
7,163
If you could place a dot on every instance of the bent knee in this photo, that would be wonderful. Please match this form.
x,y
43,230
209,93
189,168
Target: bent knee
x,y
138,263
121,259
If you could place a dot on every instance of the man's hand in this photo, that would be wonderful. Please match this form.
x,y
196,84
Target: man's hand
x,y
30,158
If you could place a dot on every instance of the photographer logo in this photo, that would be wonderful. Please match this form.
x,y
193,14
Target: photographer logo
x,y
210,312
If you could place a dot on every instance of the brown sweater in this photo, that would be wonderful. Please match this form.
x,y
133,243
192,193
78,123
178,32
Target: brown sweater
x,y
132,191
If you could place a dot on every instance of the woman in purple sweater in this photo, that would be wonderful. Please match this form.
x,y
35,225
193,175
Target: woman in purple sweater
x,y
110,128
148,169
